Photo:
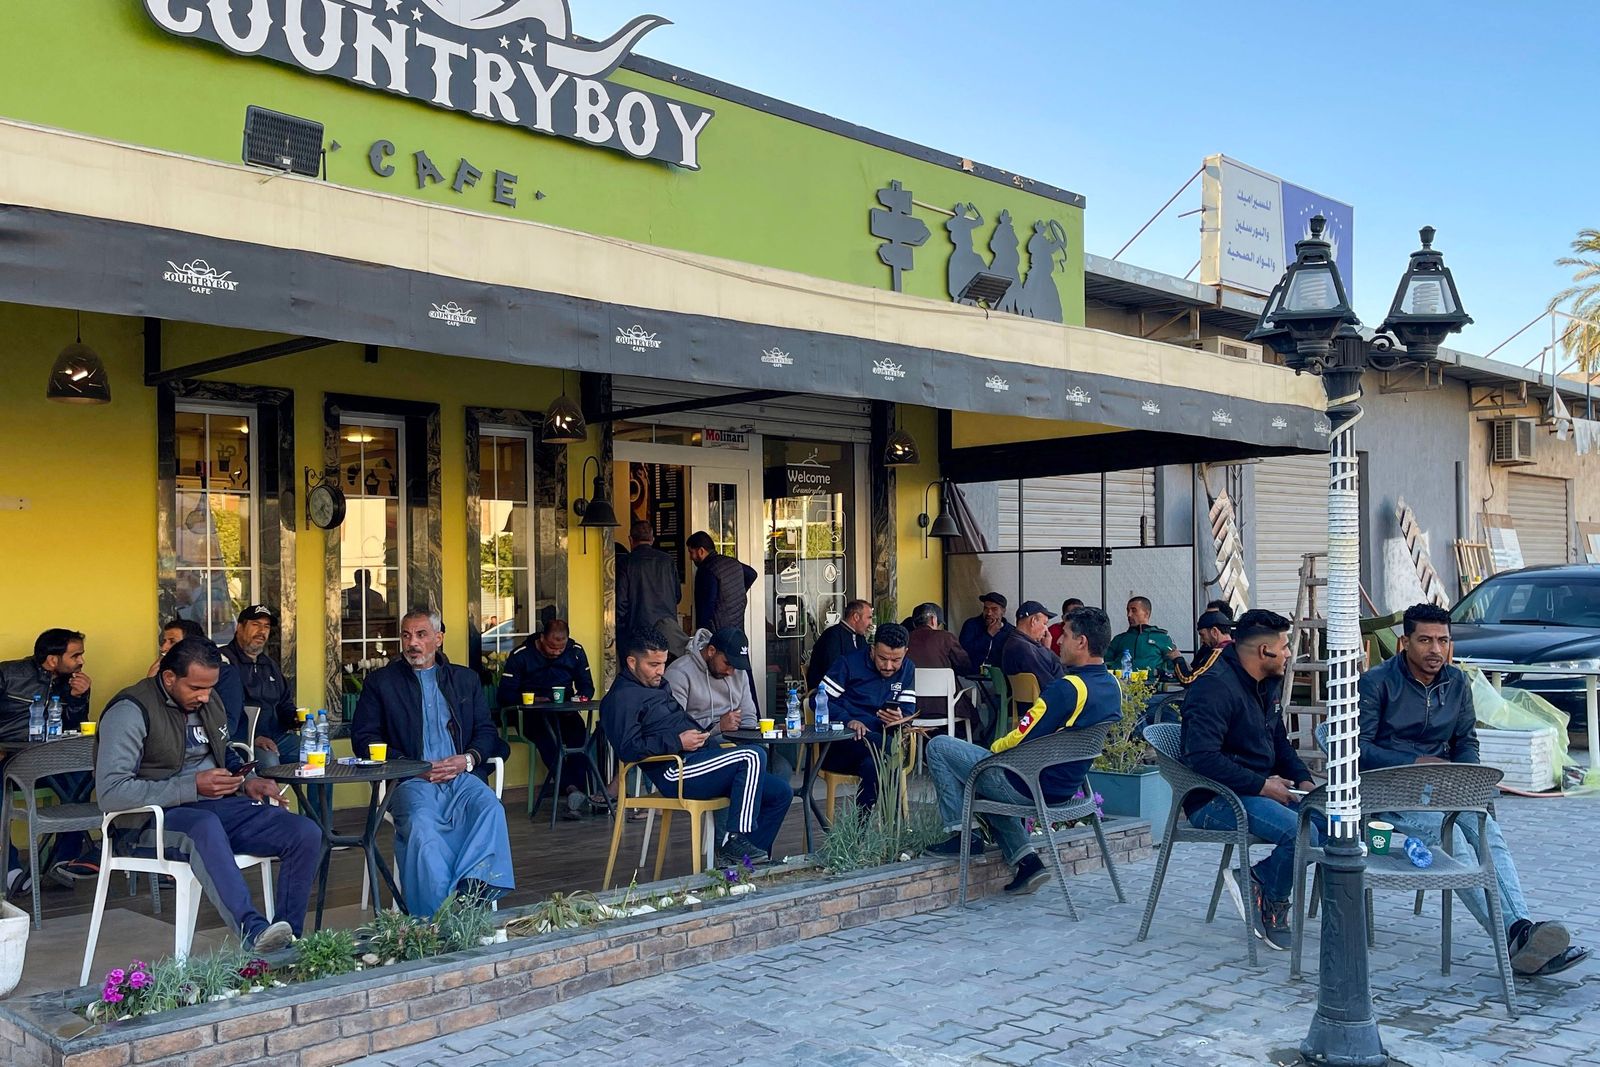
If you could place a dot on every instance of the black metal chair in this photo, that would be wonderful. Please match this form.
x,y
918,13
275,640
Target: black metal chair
x,y
1450,789
23,773
1028,761
1165,739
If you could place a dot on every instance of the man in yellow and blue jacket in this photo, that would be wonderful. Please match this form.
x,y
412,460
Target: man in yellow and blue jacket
x,y
1086,695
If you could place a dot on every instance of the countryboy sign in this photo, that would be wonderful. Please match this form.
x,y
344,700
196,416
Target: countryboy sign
x,y
510,61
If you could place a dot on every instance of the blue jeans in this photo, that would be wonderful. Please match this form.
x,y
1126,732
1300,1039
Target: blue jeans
x,y
1270,821
1428,825
950,762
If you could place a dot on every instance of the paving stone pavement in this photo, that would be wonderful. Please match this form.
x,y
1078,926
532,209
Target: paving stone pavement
x,y
1016,982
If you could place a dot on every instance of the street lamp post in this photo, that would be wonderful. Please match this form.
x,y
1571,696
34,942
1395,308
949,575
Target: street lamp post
x,y
1309,321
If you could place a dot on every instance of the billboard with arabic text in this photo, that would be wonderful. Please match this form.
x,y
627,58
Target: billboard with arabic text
x,y
1251,221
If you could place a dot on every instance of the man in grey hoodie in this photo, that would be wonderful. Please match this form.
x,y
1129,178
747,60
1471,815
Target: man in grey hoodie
x,y
711,681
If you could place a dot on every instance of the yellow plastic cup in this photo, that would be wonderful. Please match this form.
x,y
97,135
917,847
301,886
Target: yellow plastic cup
x,y
768,726
316,759
527,698
378,750
302,714
89,728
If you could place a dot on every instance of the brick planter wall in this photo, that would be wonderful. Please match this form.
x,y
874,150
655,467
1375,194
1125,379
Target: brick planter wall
x,y
341,1019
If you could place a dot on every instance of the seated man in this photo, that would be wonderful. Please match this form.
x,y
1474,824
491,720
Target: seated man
x,y
55,670
1025,651
838,640
872,689
1215,630
449,828
1145,645
983,636
164,741
932,647
228,687
1053,640
277,737
1086,695
641,719
1417,708
711,682
542,663
1233,733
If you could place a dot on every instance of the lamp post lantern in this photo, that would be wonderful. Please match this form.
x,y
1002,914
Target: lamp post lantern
x,y
1308,320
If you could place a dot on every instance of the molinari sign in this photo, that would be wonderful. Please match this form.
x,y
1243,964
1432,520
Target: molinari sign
x,y
510,61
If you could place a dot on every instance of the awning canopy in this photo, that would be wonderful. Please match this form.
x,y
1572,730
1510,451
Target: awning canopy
x,y
100,226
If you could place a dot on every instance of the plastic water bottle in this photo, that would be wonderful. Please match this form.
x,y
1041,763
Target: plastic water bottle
x,y
308,735
1418,853
794,723
1127,664
820,704
36,718
52,728
322,732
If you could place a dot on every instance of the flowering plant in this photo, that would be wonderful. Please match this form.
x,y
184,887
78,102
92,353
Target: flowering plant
x,y
724,880
125,992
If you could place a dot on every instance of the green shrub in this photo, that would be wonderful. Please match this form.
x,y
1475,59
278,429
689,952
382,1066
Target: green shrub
x,y
883,834
1125,748
324,954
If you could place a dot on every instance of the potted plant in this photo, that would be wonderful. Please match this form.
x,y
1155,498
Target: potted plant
x,y
14,925
1128,784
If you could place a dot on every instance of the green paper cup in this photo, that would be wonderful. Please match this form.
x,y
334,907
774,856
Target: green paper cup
x,y
1380,835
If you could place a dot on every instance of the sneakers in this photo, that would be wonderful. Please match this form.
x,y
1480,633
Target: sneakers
x,y
16,881
573,809
1275,924
951,846
1269,919
736,848
68,873
278,935
1534,945
1030,876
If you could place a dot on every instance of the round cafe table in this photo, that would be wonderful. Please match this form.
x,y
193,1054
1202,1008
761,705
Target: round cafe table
x,y
516,717
817,743
372,775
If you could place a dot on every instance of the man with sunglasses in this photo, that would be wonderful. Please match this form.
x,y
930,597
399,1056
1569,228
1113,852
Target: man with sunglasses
x,y
1233,733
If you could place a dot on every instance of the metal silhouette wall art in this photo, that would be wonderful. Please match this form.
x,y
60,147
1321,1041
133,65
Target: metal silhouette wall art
x,y
1032,294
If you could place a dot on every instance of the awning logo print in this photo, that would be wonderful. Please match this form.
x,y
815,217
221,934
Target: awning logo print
x,y
200,277
637,338
453,314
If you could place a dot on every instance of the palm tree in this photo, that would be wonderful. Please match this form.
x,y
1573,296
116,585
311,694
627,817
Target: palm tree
x,y
1581,340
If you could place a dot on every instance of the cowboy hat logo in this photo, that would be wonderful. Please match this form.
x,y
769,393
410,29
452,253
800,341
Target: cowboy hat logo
x,y
563,51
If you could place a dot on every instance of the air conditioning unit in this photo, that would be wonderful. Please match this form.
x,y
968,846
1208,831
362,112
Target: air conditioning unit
x,y
1227,346
1511,443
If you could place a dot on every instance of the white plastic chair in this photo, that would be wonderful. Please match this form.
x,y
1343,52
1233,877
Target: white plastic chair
x,y
941,682
187,913
497,779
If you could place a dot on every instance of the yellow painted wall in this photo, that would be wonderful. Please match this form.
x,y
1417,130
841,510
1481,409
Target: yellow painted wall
x,y
919,579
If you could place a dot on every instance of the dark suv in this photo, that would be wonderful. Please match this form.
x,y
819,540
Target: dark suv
x,y
1548,616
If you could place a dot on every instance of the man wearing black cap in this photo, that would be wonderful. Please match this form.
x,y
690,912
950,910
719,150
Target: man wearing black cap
x,y
1025,651
265,687
983,636
711,681
1216,633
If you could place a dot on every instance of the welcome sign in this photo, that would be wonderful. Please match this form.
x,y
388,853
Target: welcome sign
x,y
511,61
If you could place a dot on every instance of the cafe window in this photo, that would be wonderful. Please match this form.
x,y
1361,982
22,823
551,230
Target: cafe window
x,y
372,549
216,515
505,531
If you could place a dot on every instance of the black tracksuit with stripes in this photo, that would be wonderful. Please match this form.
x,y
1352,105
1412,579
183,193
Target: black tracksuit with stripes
x,y
642,721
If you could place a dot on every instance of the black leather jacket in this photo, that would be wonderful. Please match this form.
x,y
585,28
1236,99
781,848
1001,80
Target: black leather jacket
x,y
1402,719
20,679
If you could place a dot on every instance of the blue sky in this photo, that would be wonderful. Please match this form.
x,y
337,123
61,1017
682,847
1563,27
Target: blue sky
x,y
1473,117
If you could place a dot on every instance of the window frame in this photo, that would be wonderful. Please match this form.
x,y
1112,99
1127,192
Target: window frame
x,y
251,415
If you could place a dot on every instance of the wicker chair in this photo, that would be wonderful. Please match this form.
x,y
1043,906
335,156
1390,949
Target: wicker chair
x,y
23,773
1451,789
1027,761
1165,739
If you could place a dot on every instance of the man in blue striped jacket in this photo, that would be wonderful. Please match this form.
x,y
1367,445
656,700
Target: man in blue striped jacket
x,y
1087,695
641,719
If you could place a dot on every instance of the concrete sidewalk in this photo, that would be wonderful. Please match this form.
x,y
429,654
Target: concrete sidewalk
x,y
1016,982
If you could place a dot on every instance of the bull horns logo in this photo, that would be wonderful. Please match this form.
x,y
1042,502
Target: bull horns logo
x,y
563,51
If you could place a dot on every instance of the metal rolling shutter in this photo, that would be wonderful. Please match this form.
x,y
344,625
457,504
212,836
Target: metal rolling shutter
x,y
1544,527
1066,510
1290,519
825,418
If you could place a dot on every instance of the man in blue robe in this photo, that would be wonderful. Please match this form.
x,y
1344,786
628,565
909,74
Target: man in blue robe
x,y
450,830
